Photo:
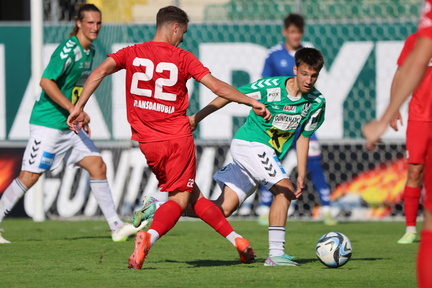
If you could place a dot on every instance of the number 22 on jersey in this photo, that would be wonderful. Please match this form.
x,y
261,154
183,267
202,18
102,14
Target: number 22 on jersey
x,y
159,83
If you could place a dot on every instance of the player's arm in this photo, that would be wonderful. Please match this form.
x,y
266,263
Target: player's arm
x,y
302,149
229,93
410,75
108,67
213,106
53,91
397,117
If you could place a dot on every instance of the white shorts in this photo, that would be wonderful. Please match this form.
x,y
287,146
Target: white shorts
x,y
254,163
47,148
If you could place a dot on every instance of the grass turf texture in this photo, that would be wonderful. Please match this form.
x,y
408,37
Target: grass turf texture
x,y
81,254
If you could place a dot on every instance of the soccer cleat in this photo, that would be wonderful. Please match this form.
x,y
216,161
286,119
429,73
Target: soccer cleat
x,y
3,240
408,238
247,254
142,247
127,230
328,219
284,260
146,212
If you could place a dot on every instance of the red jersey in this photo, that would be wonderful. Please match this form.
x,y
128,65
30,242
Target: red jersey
x,y
156,93
420,106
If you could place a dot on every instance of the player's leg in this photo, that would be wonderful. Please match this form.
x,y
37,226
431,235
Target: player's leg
x,y
283,193
41,154
211,213
85,154
411,200
13,193
173,163
416,146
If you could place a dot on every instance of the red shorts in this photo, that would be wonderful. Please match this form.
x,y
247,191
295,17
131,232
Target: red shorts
x,y
427,176
173,162
417,141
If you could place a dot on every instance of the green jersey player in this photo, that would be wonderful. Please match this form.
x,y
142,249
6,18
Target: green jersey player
x,y
51,141
258,145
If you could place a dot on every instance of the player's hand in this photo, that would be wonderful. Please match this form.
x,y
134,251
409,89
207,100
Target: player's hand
x,y
373,131
300,187
86,128
261,110
192,122
76,119
394,121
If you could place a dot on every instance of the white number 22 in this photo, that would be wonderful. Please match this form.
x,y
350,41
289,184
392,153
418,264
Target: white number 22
x,y
159,83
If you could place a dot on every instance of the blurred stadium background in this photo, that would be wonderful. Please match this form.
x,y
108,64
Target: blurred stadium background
x,y
360,41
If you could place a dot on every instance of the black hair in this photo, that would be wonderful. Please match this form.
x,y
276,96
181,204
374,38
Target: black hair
x,y
309,56
294,19
171,14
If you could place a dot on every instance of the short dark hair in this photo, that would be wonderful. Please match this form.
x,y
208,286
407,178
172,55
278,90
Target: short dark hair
x,y
171,14
309,56
80,15
294,19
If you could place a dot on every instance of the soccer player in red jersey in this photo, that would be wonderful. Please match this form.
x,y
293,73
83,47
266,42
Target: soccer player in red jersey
x,y
409,77
420,116
157,99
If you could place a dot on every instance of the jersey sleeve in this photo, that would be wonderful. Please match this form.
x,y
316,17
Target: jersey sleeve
x,y
120,57
60,60
252,91
406,50
314,121
194,67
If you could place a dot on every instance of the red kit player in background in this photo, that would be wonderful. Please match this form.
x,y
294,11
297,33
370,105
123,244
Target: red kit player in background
x,y
420,115
408,78
157,99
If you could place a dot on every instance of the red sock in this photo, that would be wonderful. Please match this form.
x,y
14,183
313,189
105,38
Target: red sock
x,y
212,215
165,217
424,260
411,198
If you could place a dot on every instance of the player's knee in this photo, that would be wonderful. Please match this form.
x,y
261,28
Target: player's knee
x,y
28,179
415,175
97,169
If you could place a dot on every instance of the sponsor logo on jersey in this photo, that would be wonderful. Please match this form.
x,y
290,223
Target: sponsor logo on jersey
x,y
254,95
274,94
154,106
305,109
286,122
290,108
47,160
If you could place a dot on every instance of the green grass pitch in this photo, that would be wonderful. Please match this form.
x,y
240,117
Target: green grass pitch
x,y
81,254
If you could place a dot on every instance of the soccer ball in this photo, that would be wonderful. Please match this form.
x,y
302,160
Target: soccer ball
x,y
333,249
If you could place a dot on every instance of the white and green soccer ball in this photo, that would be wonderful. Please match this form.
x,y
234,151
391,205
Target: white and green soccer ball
x,y
333,249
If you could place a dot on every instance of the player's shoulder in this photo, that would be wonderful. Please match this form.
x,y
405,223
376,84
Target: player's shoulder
x,y
316,96
275,49
67,47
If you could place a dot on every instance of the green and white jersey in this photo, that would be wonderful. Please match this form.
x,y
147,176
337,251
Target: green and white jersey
x,y
305,112
69,66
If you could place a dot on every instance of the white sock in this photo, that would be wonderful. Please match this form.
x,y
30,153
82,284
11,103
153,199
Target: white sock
x,y
411,229
154,236
276,240
232,236
103,196
10,197
325,209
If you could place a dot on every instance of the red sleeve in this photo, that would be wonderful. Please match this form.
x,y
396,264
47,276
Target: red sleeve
x,y
195,68
407,48
120,57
